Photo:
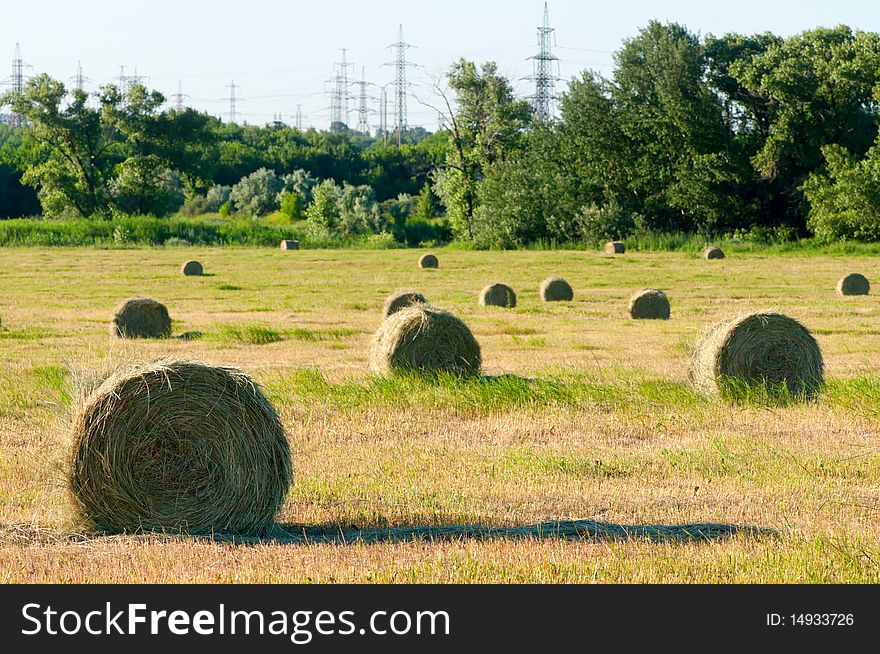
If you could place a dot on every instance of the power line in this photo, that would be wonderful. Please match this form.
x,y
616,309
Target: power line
x,y
545,81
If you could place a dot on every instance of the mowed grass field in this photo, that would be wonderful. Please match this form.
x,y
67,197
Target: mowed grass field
x,y
593,461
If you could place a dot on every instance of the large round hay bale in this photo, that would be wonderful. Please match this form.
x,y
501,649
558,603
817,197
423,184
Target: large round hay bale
x,y
649,304
556,289
498,295
424,339
428,261
615,247
289,245
181,446
854,284
759,348
141,317
192,269
713,253
401,300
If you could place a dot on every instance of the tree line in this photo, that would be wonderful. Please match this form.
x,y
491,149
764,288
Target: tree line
x,y
711,135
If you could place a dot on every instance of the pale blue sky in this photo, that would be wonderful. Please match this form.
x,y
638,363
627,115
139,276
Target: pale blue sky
x,y
282,52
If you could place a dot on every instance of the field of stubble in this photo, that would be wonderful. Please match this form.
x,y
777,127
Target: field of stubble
x,y
602,467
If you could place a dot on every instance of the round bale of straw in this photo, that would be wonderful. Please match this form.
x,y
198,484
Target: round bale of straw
x,y
192,269
289,245
758,348
401,300
178,446
854,284
427,340
498,295
615,247
556,289
428,261
141,317
713,253
649,304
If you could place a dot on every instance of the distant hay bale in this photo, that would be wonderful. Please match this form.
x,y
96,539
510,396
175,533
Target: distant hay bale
x,y
178,446
401,300
712,253
290,245
615,247
854,284
424,339
498,295
556,289
141,317
769,349
428,261
192,269
649,304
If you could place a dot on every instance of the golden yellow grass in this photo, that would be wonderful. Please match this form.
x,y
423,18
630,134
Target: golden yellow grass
x,y
638,452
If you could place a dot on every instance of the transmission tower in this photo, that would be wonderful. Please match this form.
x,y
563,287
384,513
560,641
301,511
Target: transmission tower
x,y
383,114
233,116
299,117
17,84
400,86
127,81
363,110
339,92
544,77
179,96
79,80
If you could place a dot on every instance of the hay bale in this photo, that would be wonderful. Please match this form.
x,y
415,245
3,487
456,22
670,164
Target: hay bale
x,y
290,245
401,300
424,339
181,446
141,317
556,289
498,295
615,247
428,261
649,304
713,253
854,284
192,269
759,348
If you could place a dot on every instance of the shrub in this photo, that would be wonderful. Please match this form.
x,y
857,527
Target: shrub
x,y
257,194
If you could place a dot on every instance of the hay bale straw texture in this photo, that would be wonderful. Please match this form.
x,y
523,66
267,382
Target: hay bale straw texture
x,y
290,245
401,300
192,269
181,446
854,284
649,304
615,247
556,289
428,261
498,295
424,339
141,317
713,253
758,348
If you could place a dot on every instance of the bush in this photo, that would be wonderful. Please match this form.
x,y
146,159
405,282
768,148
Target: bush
x,y
257,194
418,231
609,222
292,206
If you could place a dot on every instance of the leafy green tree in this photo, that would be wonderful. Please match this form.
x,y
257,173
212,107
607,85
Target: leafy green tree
x,y
487,128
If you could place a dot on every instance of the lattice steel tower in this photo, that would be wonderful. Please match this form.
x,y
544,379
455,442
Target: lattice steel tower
x,y
545,80
400,85
233,114
179,96
363,108
299,117
339,92
79,81
17,84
